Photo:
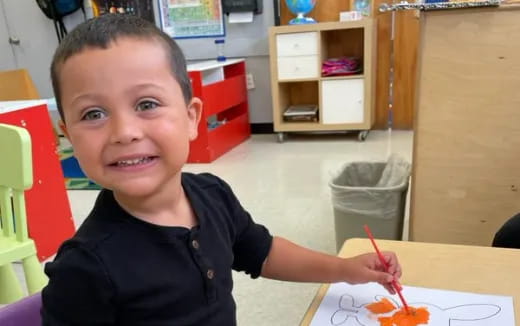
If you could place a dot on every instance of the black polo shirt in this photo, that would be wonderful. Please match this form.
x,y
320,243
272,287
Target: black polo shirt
x,y
508,236
119,270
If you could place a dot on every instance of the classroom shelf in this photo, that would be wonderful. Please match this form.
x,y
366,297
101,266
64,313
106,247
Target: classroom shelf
x,y
225,116
356,76
296,57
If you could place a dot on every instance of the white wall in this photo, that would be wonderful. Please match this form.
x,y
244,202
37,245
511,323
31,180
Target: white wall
x,y
23,19
260,99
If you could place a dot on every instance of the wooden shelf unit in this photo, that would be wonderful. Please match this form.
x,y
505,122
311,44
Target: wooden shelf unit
x,y
355,76
296,56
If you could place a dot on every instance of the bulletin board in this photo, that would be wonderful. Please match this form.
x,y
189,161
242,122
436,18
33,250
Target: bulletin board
x,y
191,18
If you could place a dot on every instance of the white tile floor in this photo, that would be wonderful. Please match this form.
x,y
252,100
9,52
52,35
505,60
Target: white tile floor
x,y
285,187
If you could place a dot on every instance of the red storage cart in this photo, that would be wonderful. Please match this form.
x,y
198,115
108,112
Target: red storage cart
x,y
225,116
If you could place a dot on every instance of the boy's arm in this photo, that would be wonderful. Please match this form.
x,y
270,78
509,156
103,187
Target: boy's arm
x,y
79,292
290,262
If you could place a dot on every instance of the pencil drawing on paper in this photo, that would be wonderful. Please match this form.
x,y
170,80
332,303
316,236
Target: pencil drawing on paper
x,y
364,305
361,314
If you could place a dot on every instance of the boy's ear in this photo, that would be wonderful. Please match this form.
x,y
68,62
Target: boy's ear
x,y
194,114
63,128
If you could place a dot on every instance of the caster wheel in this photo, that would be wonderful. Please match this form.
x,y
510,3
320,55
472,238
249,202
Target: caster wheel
x,y
281,137
362,136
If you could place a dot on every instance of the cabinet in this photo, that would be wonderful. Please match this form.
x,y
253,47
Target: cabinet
x,y
225,114
342,101
296,57
465,178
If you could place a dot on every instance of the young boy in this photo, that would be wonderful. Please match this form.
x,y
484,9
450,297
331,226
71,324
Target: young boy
x,y
159,246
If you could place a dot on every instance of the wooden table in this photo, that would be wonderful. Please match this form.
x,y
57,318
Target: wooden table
x,y
474,269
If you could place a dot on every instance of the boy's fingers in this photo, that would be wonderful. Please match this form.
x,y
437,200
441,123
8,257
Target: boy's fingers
x,y
380,277
398,272
394,267
389,288
391,260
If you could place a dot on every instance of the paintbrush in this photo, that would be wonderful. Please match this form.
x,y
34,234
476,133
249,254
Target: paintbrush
x,y
385,265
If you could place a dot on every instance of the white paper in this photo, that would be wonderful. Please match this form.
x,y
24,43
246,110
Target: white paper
x,y
344,305
240,17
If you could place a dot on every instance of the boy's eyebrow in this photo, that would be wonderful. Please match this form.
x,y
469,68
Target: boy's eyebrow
x,y
131,90
80,97
144,86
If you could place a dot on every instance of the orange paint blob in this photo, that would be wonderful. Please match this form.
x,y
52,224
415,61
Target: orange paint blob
x,y
386,321
381,307
417,316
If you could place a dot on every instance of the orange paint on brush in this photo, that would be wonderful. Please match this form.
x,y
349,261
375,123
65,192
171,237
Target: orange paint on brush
x,y
381,307
417,316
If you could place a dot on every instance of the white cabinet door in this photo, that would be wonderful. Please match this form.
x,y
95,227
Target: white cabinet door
x,y
26,22
342,101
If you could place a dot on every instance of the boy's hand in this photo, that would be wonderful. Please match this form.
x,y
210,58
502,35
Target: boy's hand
x,y
368,268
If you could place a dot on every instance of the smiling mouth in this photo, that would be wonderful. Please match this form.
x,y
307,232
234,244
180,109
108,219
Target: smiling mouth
x,y
134,162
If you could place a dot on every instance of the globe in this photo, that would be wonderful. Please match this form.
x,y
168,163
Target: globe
x,y
301,8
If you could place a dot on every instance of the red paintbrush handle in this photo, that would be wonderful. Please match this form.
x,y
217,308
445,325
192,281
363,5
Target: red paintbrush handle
x,y
385,264
379,254
397,289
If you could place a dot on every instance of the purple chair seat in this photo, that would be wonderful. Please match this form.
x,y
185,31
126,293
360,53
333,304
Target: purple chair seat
x,y
25,312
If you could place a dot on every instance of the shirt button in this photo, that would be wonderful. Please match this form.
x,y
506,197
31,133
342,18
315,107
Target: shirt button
x,y
195,244
210,274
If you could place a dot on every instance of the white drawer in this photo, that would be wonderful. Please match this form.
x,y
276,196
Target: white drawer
x,y
297,44
342,101
297,67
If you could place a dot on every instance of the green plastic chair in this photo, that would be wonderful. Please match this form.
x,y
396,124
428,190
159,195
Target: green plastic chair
x,y
15,244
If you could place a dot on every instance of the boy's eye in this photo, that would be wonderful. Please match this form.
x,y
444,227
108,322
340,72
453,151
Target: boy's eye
x,y
146,105
94,115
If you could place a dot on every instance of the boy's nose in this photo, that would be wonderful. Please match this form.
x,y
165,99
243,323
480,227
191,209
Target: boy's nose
x,y
125,129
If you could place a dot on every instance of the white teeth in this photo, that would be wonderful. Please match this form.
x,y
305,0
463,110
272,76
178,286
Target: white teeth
x,y
134,161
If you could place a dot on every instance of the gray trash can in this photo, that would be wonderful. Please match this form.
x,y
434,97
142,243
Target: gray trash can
x,y
372,193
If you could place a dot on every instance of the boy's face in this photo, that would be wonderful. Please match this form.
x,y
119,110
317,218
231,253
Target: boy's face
x,y
126,117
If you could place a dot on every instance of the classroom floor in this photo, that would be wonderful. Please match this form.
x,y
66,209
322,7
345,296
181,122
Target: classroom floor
x,y
285,187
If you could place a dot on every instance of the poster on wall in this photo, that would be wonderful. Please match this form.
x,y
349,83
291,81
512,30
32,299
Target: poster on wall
x,y
191,18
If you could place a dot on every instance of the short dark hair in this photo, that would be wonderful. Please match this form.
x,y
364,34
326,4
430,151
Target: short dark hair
x,y
101,31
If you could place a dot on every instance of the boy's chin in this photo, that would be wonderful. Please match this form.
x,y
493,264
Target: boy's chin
x,y
133,189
